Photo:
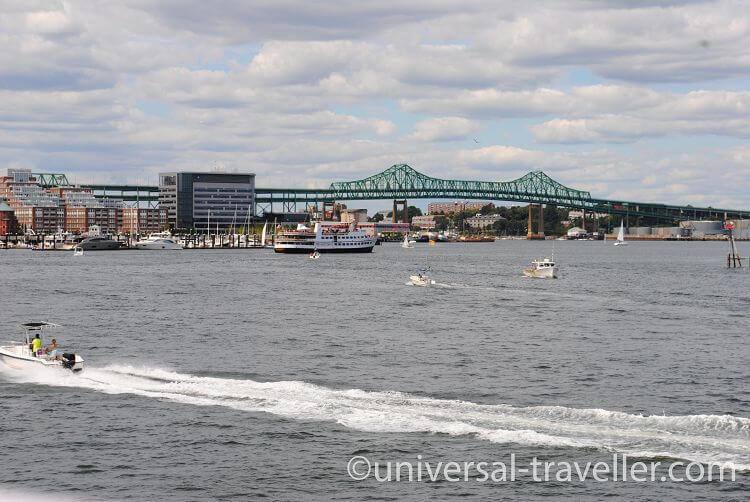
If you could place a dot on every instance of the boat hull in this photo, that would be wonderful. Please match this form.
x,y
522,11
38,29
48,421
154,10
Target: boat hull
x,y
544,273
307,250
11,359
157,246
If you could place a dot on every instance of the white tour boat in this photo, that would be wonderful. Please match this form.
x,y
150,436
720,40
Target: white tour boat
x,y
541,269
158,241
19,355
345,238
621,236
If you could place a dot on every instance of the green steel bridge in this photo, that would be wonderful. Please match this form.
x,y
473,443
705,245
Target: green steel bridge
x,y
401,181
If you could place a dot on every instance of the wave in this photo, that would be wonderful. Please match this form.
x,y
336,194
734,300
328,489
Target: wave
x,y
701,438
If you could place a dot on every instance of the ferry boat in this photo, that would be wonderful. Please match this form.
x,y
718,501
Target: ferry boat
x,y
160,240
324,239
19,355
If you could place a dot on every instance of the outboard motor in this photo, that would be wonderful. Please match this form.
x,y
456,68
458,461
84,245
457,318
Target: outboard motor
x,y
72,362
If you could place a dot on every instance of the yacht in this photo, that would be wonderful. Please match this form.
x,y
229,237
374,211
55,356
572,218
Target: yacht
x,y
346,238
19,356
541,269
97,244
160,240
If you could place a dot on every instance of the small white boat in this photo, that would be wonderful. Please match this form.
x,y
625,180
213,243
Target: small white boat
x,y
621,236
77,251
541,269
19,355
158,241
314,255
408,243
421,279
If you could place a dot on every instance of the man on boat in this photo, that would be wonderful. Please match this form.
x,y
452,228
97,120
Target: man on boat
x,y
51,350
36,344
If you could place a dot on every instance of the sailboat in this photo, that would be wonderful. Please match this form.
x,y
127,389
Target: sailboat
x,y
407,244
621,236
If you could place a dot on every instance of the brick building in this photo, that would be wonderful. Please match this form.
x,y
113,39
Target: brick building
x,y
8,222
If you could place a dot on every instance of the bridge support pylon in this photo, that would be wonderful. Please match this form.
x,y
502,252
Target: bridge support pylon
x,y
539,234
400,211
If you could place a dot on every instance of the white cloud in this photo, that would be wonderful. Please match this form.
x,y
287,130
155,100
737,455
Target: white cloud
x,y
315,91
443,129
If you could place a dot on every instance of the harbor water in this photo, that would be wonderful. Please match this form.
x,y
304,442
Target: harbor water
x,y
245,375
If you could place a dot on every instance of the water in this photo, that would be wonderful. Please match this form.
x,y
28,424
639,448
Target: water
x,y
237,375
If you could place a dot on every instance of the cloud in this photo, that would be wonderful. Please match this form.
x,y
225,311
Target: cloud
x,y
316,91
443,129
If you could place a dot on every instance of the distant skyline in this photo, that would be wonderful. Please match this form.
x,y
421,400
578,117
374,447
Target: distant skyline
x,y
637,100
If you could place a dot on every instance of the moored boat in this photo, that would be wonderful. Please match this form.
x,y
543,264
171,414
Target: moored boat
x,y
158,241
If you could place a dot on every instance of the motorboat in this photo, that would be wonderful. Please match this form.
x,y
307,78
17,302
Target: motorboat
x,y
542,269
621,236
408,243
421,279
77,251
158,241
314,255
19,355
98,244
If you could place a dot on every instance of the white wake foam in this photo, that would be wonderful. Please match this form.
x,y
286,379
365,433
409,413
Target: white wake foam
x,y
702,438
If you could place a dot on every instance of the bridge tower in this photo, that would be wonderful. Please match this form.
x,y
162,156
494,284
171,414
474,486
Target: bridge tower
x,y
539,234
400,211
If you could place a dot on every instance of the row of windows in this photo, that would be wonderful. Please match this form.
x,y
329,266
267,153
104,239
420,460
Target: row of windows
x,y
223,190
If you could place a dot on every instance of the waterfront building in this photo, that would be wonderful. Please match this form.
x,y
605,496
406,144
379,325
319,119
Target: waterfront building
x,y
482,221
353,215
384,228
142,220
454,207
35,208
197,200
426,222
83,210
8,222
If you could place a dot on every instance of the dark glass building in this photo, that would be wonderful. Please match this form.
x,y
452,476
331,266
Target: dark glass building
x,y
199,201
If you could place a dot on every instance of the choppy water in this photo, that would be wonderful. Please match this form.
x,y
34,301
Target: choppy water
x,y
236,375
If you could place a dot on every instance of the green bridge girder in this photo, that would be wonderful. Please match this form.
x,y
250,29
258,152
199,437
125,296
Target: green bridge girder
x,y
401,181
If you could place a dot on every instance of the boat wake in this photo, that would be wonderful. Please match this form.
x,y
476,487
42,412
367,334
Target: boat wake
x,y
701,438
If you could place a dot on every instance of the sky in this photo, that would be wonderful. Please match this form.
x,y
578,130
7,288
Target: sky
x,y
637,100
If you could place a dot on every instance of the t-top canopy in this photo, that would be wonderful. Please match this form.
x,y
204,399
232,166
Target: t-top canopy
x,y
39,325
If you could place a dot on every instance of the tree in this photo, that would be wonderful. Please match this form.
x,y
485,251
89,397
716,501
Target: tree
x,y
413,211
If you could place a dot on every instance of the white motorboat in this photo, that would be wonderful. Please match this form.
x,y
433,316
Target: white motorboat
x,y
77,251
421,279
158,241
314,255
19,355
408,243
621,236
541,269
